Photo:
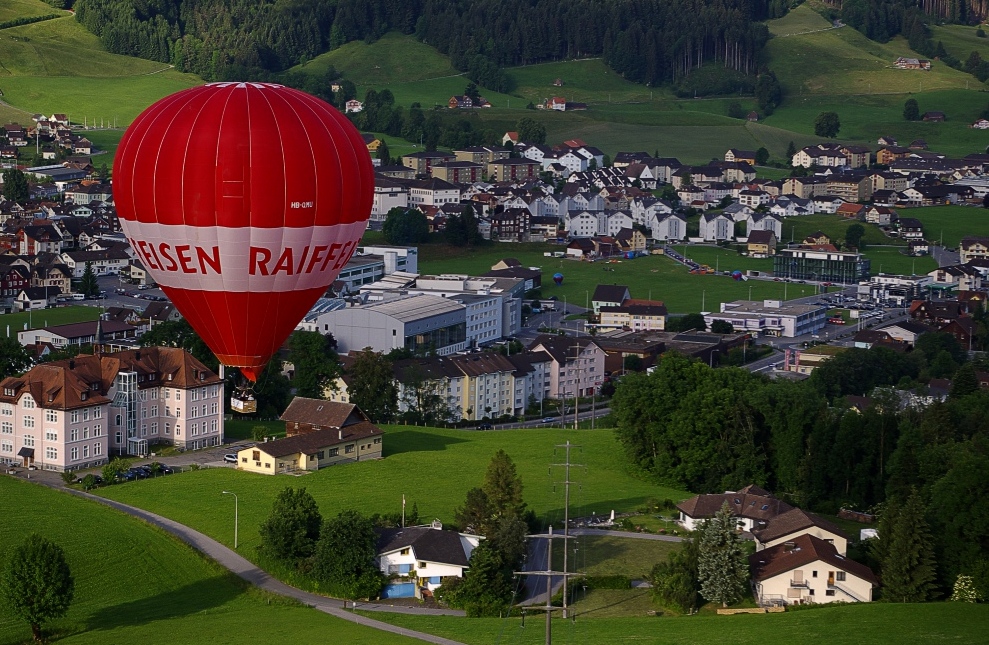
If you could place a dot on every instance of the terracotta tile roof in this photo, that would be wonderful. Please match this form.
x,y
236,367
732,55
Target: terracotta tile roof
x,y
793,521
312,442
800,552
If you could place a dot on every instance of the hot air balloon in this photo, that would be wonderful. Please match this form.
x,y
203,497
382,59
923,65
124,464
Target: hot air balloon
x,y
243,201
736,275
558,278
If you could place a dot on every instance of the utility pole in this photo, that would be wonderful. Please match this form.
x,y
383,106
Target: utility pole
x,y
566,513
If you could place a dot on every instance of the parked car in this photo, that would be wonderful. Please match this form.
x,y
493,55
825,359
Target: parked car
x,y
163,469
548,419
230,459
485,426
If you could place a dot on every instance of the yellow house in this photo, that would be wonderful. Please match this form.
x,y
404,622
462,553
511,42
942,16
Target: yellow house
x,y
631,239
313,450
762,244
636,315
809,359
372,142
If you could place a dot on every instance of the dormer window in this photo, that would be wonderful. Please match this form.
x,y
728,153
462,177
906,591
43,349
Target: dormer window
x,y
151,377
8,391
94,387
83,395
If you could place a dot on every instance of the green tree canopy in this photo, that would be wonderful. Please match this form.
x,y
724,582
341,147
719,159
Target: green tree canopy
x,y
179,333
827,125
14,358
503,486
404,226
89,286
853,236
762,156
530,130
722,327
37,582
292,528
344,557
722,568
911,112
372,385
675,582
908,567
316,363
15,186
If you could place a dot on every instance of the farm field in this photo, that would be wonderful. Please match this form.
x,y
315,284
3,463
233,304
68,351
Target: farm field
x,y
136,584
843,625
461,456
47,317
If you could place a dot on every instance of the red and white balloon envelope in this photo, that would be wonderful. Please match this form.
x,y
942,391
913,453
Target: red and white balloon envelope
x,y
243,201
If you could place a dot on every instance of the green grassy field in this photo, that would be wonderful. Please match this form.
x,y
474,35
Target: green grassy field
x,y
585,81
892,260
722,259
842,625
950,223
47,317
432,467
106,141
11,9
605,555
136,584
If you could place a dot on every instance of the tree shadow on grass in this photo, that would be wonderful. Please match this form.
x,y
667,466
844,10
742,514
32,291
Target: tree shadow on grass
x,y
413,441
187,600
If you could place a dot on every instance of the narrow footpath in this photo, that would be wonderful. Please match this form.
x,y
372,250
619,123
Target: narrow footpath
x,y
252,574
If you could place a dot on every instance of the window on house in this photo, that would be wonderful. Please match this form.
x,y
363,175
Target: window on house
x,y
421,565
813,574
404,552
334,452
349,449
840,576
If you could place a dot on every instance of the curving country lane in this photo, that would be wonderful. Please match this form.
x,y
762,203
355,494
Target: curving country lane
x,y
248,571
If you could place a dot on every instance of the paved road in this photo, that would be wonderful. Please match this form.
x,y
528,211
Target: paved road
x,y
246,570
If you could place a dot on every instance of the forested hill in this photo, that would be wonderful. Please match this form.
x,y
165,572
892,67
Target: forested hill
x,y
652,41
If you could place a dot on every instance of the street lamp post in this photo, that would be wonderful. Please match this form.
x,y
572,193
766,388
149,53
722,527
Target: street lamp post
x,y
236,515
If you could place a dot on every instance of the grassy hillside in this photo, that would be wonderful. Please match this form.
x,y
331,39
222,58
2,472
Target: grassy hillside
x,y
58,66
960,40
843,61
585,81
431,467
12,9
135,584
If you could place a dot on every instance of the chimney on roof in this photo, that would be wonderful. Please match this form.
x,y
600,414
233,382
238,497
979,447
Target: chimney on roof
x,y
788,546
340,433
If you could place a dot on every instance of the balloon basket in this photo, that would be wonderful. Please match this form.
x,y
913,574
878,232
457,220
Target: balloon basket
x,y
243,401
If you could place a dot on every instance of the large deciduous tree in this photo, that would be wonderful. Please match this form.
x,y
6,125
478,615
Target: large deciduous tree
x,y
316,363
405,226
911,112
676,582
179,333
721,565
344,556
292,528
37,582
15,186
14,359
372,385
530,130
827,124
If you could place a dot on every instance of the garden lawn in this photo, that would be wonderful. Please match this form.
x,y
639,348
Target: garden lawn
x,y
136,584
48,317
605,555
431,467
838,625
238,429
834,226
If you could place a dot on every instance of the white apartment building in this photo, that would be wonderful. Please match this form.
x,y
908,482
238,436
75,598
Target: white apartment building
x,y
388,194
74,414
577,367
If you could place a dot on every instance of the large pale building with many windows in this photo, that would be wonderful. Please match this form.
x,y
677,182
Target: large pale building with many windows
x,y
78,413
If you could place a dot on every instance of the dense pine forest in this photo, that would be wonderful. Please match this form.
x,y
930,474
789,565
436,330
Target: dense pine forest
x,y
650,41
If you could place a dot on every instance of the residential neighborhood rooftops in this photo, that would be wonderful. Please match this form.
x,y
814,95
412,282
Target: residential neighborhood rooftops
x,y
751,502
792,521
324,414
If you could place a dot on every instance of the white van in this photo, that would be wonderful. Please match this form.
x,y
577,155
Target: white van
x,y
78,296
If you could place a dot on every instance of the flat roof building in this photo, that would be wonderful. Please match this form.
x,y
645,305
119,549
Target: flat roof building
x,y
771,317
821,265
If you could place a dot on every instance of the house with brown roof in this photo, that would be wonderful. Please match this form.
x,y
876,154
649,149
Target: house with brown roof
x,y
749,505
807,570
609,295
304,415
95,406
761,244
794,523
317,448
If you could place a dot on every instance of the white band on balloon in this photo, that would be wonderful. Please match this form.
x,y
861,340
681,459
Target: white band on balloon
x,y
217,258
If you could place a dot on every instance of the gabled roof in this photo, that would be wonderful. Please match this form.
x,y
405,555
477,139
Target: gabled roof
x,y
610,293
761,237
802,551
427,544
312,442
324,414
745,503
791,522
